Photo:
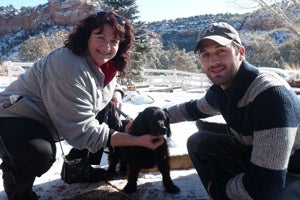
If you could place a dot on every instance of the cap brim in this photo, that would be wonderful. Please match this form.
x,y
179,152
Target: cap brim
x,y
219,39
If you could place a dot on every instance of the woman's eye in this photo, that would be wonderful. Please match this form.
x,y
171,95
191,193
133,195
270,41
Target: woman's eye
x,y
101,38
115,41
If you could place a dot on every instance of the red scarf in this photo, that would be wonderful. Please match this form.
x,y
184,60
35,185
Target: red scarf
x,y
109,71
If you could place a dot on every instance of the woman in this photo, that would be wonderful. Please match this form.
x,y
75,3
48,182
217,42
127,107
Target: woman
x,y
59,98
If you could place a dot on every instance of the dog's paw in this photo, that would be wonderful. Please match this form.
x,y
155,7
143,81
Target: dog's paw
x,y
130,188
171,188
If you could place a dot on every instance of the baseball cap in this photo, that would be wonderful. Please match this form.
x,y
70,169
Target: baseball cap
x,y
220,32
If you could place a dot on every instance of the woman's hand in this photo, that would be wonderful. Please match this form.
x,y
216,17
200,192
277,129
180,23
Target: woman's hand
x,y
150,141
124,139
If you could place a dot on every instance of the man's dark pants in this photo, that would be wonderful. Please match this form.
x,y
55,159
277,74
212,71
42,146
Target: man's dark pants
x,y
216,155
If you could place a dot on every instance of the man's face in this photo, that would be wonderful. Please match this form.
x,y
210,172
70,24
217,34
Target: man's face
x,y
219,62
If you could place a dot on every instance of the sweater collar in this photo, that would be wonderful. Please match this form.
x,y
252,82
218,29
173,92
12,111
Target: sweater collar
x,y
244,77
109,71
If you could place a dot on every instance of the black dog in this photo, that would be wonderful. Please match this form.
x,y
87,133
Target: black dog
x,y
155,121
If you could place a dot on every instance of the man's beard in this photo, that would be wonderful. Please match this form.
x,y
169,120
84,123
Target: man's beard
x,y
225,79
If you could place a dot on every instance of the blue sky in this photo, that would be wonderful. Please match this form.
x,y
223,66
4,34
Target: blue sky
x,y
156,10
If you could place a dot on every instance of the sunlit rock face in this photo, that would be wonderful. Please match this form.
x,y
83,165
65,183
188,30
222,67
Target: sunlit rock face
x,y
55,12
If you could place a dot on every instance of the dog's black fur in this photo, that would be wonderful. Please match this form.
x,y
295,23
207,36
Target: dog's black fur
x,y
155,121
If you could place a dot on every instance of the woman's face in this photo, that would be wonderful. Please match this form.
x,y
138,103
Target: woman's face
x,y
103,46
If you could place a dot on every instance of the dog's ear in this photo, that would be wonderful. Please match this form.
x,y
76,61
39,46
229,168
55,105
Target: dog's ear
x,y
138,126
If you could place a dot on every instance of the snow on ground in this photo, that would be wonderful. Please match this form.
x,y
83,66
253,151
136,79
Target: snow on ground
x,y
50,187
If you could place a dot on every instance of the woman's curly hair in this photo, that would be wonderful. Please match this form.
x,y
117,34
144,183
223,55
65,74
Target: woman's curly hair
x,y
77,41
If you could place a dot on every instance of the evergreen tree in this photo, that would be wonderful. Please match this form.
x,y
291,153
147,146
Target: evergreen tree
x,y
177,59
128,8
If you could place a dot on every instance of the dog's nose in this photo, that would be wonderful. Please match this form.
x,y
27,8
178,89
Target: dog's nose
x,y
164,130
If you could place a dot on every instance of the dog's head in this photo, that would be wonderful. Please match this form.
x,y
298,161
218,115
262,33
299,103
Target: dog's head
x,y
152,120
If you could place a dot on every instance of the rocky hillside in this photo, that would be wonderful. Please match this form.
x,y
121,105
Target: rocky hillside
x,y
53,13
17,26
184,31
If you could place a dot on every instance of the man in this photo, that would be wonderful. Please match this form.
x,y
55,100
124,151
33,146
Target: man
x,y
262,114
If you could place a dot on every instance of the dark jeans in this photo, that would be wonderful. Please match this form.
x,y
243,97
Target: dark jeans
x,y
217,155
27,150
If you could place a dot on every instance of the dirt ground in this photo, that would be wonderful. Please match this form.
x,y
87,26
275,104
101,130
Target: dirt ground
x,y
149,188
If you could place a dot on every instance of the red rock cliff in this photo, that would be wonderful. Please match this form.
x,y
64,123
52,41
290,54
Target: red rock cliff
x,y
55,12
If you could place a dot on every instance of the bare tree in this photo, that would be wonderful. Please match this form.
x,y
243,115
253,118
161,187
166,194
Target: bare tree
x,y
278,9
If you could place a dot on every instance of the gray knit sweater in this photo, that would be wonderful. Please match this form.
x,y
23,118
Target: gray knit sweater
x,y
64,92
